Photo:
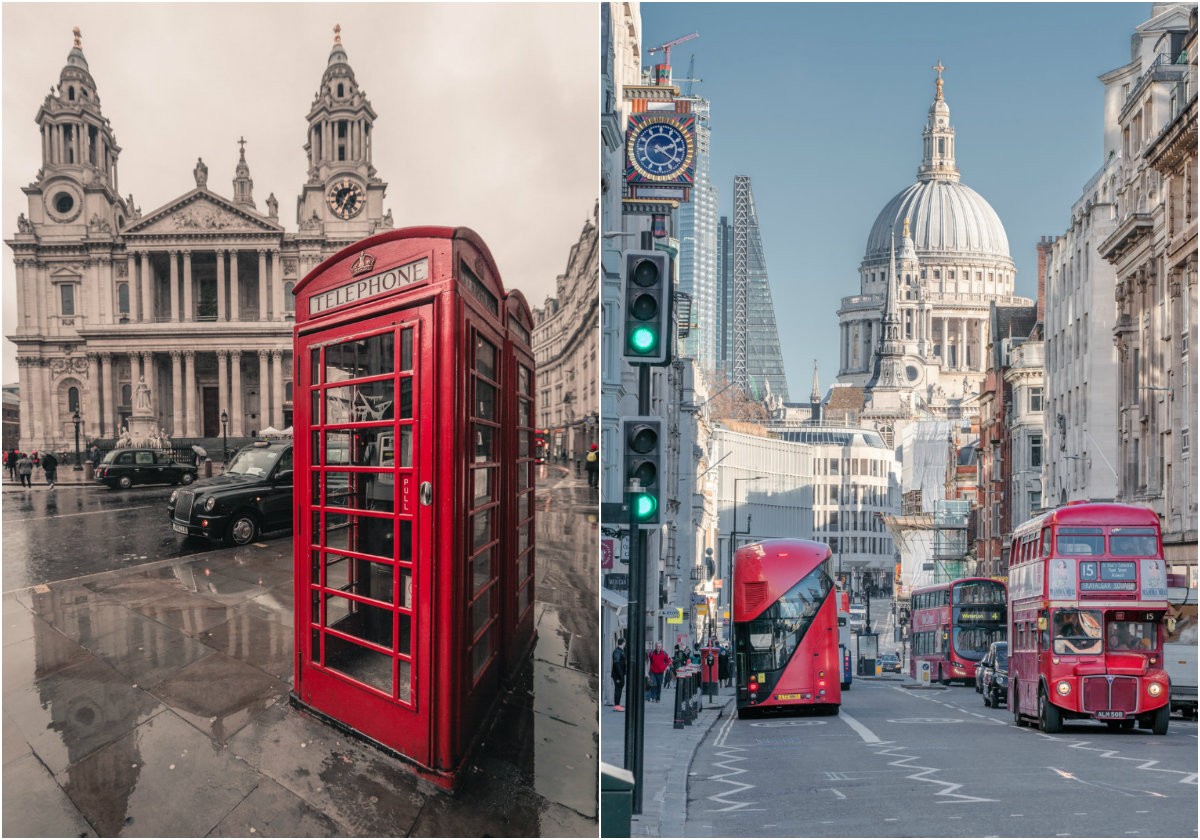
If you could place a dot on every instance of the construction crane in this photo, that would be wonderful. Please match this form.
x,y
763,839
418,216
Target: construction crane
x,y
665,49
690,76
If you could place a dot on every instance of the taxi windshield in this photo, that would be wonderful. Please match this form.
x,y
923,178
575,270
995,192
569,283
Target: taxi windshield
x,y
254,461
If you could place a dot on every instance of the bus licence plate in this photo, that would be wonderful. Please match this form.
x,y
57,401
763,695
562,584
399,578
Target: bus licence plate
x,y
180,529
791,696
1110,715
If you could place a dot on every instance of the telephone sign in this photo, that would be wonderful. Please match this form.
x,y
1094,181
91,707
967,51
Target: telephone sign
x,y
414,448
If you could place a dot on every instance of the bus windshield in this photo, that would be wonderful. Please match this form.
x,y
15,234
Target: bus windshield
x,y
1077,631
972,642
772,638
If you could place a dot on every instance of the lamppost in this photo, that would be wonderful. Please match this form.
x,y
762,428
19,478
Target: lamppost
x,y
225,435
734,530
75,420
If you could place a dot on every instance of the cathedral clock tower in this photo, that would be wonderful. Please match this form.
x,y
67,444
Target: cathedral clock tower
x,y
342,201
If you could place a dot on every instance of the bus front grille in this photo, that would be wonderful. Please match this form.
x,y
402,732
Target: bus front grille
x,y
1117,694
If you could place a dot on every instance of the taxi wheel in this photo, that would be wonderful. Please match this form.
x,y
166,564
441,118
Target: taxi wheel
x,y
242,529
125,481
186,478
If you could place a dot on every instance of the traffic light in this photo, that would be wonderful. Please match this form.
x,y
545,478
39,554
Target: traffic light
x,y
648,307
643,455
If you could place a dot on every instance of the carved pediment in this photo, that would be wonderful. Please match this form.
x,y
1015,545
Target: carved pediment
x,y
201,212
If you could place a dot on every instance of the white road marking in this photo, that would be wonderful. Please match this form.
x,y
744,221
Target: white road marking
x,y
834,791
85,513
866,734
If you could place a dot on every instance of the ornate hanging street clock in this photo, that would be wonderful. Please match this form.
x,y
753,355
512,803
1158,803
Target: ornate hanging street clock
x,y
660,148
346,198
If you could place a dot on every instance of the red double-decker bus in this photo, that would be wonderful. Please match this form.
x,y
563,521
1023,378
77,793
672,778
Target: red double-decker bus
x,y
953,624
785,627
1087,599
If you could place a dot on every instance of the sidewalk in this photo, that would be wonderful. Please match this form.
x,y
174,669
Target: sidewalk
x,y
153,701
668,754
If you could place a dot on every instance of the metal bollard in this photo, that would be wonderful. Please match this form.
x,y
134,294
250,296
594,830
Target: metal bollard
x,y
679,681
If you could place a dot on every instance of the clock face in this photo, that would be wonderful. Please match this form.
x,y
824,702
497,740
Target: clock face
x,y
659,150
346,198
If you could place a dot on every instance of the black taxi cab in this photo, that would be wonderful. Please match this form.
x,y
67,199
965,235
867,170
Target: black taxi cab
x,y
126,467
252,495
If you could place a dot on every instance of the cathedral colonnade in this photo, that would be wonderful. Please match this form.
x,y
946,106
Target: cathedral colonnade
x,y
189,389
958,341
181,283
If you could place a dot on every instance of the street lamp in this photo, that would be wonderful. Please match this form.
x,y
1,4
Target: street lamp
x,y
734,530
225,434
75,420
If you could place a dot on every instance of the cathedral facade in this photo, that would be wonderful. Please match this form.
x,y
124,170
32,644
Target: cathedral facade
x,y
937,257
194,298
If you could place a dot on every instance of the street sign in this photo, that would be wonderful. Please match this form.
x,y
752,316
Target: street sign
x,y
606,553
624,558
617,581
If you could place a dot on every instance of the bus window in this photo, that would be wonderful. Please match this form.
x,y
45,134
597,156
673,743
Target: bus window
x,y
1045,543
1131,635
1077,631
1080,542
1043,632
1133,542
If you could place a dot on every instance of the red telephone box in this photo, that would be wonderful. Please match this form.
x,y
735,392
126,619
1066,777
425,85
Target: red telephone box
x,y
414,540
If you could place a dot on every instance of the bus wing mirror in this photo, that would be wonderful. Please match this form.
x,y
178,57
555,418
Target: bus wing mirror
x,y
1041,622
1170,625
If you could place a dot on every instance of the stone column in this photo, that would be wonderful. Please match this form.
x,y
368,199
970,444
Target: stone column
x,y
277,389
237,414
191,400
263,312
131,285
235,291
189,297
942,343
174,278
278,300
92,403
981,326
962,343
25,378
222,380
147,290
108,422
264,390
220,285
51,427
177,394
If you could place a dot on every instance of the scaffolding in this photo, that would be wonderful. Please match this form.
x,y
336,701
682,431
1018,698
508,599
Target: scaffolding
x,y
932,546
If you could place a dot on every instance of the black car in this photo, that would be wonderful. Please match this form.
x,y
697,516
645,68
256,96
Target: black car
x,y
995,680
252,495
981,670
889,662
126,467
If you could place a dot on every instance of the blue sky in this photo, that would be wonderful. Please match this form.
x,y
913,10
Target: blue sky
x,y
823,106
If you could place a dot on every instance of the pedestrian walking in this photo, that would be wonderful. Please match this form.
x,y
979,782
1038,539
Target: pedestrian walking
x,y
94,454
619,668
723,665
25,470
50,467
593,466
658,666
10,463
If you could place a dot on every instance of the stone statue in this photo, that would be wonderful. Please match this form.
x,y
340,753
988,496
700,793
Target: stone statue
x,y
124,441
23,224
272,206
201,173
163,438
141,395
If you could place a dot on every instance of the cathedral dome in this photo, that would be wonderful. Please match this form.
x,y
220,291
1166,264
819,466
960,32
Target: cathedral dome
x,y
945,217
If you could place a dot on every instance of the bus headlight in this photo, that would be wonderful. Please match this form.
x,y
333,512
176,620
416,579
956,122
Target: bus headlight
x,y
1154,689
1063,688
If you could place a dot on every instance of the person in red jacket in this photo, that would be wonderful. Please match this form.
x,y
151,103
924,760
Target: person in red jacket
x,y
659,661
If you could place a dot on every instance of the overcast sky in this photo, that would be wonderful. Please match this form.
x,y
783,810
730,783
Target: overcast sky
x,y
488,114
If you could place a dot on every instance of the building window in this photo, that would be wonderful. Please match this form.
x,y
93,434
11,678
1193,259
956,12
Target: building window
x,y
289,299
126,395
1035,450
123,298
66,294
72,399
1185,441
1035,398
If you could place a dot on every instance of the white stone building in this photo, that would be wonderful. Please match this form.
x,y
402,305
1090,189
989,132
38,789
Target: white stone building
x,y
566,352
194,296
1025,426
1153,251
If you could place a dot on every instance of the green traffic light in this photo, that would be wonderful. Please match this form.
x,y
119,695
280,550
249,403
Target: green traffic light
x,y
644,506
643,339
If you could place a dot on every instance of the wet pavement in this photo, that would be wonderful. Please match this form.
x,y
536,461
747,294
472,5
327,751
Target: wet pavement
x,y
153,701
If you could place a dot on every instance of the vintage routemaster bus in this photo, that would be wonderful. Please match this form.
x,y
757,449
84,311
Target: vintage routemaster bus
x,y
953,624
1087,599
414,476
785,627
